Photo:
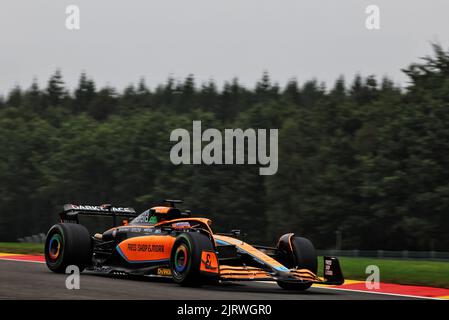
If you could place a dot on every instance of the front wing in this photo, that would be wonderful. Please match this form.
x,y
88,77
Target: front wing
x,y
332,274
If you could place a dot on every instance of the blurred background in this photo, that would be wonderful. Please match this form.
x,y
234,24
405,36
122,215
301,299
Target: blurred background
x,y
85,116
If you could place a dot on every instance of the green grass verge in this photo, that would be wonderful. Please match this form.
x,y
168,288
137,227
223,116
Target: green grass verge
x,y
412,272
17,247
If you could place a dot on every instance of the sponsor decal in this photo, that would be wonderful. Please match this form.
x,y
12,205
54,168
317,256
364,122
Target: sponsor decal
x,y
209,262
100,208
146,249
163,272
142,247
181,225
327,268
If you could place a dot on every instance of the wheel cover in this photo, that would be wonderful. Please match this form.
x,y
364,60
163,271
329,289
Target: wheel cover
x,y
54,247
181,258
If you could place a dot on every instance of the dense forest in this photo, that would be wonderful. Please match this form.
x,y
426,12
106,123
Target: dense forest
x,y
364,156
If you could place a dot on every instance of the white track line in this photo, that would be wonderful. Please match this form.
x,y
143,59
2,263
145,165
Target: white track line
x,y
381,293
367,292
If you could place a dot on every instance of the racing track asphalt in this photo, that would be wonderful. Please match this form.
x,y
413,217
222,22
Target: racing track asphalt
x,y
27,280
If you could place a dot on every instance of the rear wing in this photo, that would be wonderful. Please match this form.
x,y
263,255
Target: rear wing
x,y
71,212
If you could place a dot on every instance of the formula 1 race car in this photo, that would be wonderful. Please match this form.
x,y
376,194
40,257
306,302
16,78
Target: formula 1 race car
x,y
165,241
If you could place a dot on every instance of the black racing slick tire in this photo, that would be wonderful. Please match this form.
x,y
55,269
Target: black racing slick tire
x,y
68,244
185,258
304,256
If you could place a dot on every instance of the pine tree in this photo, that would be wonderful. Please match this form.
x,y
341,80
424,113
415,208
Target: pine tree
x,y
56,92
187,99
104,104
84,94
34,97
339,90
142,88
15,97
292,92
265,90
208,97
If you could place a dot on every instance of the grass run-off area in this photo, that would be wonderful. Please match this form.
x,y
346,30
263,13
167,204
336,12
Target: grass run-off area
x,y
17,247
413,272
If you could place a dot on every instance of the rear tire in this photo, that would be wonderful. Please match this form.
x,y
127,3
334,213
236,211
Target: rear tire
x,y
68,244
185,258
303,257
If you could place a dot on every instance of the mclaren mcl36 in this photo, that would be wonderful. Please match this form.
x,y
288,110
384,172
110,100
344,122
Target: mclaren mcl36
x,y
165,241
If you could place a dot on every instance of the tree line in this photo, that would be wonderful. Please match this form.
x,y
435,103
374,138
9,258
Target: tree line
x,y
366,158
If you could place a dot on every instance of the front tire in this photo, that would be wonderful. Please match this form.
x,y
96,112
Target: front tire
x,y
303,255
68,244
185,258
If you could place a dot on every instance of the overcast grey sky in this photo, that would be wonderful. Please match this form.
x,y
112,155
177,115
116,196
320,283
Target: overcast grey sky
x,y
122,41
